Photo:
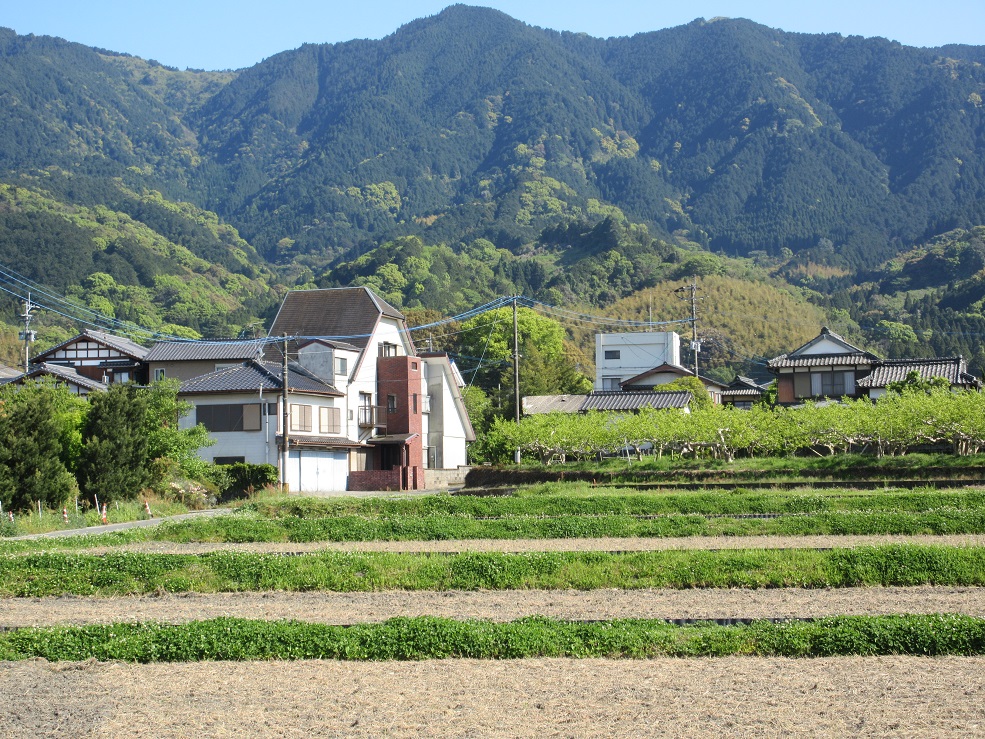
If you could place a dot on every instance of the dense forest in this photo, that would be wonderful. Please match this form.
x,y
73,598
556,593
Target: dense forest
x,y
468,156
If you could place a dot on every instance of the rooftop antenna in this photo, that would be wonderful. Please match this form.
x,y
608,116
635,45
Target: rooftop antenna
x,y
27,335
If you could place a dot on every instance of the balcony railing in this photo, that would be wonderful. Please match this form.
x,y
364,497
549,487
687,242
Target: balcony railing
x,y
371,416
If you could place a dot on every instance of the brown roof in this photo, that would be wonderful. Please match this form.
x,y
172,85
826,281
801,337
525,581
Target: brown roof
x,y
347,314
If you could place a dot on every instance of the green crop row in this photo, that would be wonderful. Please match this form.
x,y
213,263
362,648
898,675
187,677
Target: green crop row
x,y
438,638
566,499
53,573
443,527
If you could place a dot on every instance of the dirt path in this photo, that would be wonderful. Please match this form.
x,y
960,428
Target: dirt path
x,y
729,697
345,608
549,545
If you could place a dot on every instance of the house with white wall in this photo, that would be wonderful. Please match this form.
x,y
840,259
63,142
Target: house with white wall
x,y
394,420
622,356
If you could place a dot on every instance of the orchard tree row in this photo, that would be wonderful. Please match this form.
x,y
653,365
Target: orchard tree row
x,y
55,445
896,423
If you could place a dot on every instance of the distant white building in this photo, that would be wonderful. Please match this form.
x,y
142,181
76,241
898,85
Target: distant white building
x,y
621,357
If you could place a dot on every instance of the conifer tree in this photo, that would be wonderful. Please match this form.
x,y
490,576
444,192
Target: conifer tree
x,y
114,452
31,468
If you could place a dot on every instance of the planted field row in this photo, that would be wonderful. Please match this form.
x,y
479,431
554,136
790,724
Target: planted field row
x,y
582,500
436,638
545,516
445,528
132,573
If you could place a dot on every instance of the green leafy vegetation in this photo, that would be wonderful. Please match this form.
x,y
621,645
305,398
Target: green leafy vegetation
x,y
438,638
51,573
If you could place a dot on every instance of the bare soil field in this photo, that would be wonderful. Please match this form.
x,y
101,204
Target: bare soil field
x,y
726,697
729,697
347,608
639,544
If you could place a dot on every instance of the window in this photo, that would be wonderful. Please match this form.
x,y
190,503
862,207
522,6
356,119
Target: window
x,y
300,417
330,421
391,403
387,349
610,383
801,385
229,417
251,417
425,404
341,366
159,374
229,460
833,384
414,408
121,377
413,366
225,365
612,353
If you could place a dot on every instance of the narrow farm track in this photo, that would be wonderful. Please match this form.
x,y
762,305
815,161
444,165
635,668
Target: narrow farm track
x,y
549,545
349,608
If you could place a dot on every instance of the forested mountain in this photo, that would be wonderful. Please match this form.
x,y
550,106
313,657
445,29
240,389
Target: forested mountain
x,y
470,146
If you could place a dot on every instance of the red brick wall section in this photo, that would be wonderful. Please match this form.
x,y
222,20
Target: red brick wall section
x,y
374,480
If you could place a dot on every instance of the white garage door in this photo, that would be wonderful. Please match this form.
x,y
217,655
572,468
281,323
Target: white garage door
x,y
318,471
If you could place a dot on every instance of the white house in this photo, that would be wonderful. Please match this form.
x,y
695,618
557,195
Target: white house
x,y
393,419
622,356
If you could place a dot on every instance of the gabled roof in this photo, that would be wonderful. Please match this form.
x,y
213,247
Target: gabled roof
x,y
348,314
190,351
952,369
803,356
120,344
254,376
742,387
61,373
668,368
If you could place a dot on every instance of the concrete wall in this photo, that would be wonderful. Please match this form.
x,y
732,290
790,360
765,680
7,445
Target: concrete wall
x,y
638,352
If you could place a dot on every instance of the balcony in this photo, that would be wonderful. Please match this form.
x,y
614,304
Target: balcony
x,y
371,416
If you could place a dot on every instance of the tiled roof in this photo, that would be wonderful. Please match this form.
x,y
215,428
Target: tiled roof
x,y
821,360
953,369
538,404
60,372
319,442
178,351
348,314
254,376
122,345
616,400
736,392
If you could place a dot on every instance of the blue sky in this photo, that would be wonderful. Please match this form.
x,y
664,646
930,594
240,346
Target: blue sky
x,y
222,34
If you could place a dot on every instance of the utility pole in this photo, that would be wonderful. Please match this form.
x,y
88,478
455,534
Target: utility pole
x,y
27,335
695,344
284,420
516,364
516,375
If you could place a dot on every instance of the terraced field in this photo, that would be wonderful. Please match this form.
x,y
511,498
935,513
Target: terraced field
x,y
559,610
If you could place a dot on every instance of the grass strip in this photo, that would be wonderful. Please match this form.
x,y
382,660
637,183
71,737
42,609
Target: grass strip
x,y
55,573
439,638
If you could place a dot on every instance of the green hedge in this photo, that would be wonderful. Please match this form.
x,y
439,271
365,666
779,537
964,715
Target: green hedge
x,y
437,638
